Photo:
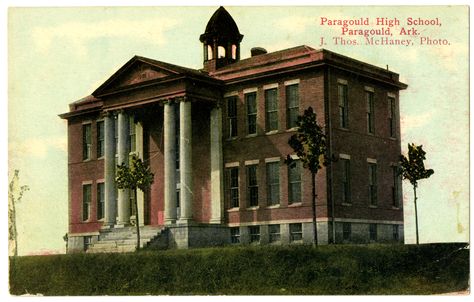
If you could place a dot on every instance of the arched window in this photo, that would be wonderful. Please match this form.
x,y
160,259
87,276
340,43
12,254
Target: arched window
x,y
220,52
209,52
234,51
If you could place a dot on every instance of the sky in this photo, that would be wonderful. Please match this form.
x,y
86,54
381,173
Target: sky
x,y
59,55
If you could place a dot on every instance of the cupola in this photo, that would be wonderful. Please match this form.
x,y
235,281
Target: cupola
x,y
221,40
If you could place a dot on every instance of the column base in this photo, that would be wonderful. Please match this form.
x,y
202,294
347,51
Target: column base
x,y
216,221
107,226
121,225
170,222
185,221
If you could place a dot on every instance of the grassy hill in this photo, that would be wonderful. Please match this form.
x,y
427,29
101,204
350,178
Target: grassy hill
x,y
254,270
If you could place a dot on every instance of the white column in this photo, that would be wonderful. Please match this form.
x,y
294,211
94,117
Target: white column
x,y
217,172
169,162
185,161
139,150
109,171
123,194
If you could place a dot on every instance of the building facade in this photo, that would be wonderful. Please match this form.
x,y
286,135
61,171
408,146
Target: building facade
x,y
216,140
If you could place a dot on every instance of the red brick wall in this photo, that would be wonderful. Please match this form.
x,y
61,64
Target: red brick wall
x,y
356,142
242,148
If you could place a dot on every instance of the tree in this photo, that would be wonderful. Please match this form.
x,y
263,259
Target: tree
x,y
309,144
15,194
413,169
137,175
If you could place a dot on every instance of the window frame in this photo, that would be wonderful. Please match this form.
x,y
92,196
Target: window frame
x,y
343,105
346,181
232,121
370,111
272,182
274,236
251,116
271,123
373,232
346,231
254,233
395,232
235,235
233,188
292,109
395,187
392,117
100,125
372,180
295,182
86,202
252,185
298,233
87,141
100,212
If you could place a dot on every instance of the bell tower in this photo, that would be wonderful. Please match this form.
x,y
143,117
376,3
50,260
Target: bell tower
x,y
221,41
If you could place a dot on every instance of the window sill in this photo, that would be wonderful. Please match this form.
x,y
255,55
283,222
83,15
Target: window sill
x,y
395,208
233,209
86,160
251,135
343,129
274,206
294,129
295,204
230,139
99,158
373,207
346,204
271,132
252,208
392,138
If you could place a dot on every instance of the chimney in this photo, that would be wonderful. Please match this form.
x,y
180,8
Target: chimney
x,y
256,51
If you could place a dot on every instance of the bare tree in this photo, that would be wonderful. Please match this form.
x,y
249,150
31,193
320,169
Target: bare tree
x,y
15,194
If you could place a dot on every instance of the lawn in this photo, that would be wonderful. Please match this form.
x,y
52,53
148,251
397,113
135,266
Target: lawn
x,y
250,270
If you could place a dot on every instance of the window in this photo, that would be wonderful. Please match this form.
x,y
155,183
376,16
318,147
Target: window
x,y
274,232
271,109
296,232
273,183
346,180
369,97
343,106
86,141
395,232
395,197
100,139
235,235
294,182
87,242
86,201
220,52
232,116
292,105
251,103
131,127
233,181
373,184
373,232
254,232
100,201
252,186
177,198
391,116
346,231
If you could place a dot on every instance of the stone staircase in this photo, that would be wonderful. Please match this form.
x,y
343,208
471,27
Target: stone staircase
x,y
123,240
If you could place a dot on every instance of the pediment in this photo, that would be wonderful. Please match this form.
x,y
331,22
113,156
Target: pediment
x,y
134,72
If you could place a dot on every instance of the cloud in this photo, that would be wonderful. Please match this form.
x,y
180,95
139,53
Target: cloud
x,y
37,147
409,122
78,34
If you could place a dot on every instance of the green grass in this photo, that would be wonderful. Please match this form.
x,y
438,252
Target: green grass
x,y
265,270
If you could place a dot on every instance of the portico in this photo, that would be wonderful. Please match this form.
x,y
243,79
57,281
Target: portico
x,y
177,143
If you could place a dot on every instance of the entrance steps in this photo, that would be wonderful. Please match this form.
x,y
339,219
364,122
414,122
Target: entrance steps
x,y
123,240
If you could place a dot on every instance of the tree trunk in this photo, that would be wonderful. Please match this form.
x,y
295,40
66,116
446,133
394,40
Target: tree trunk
x,y
137,221
315,229
416,217
15,237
